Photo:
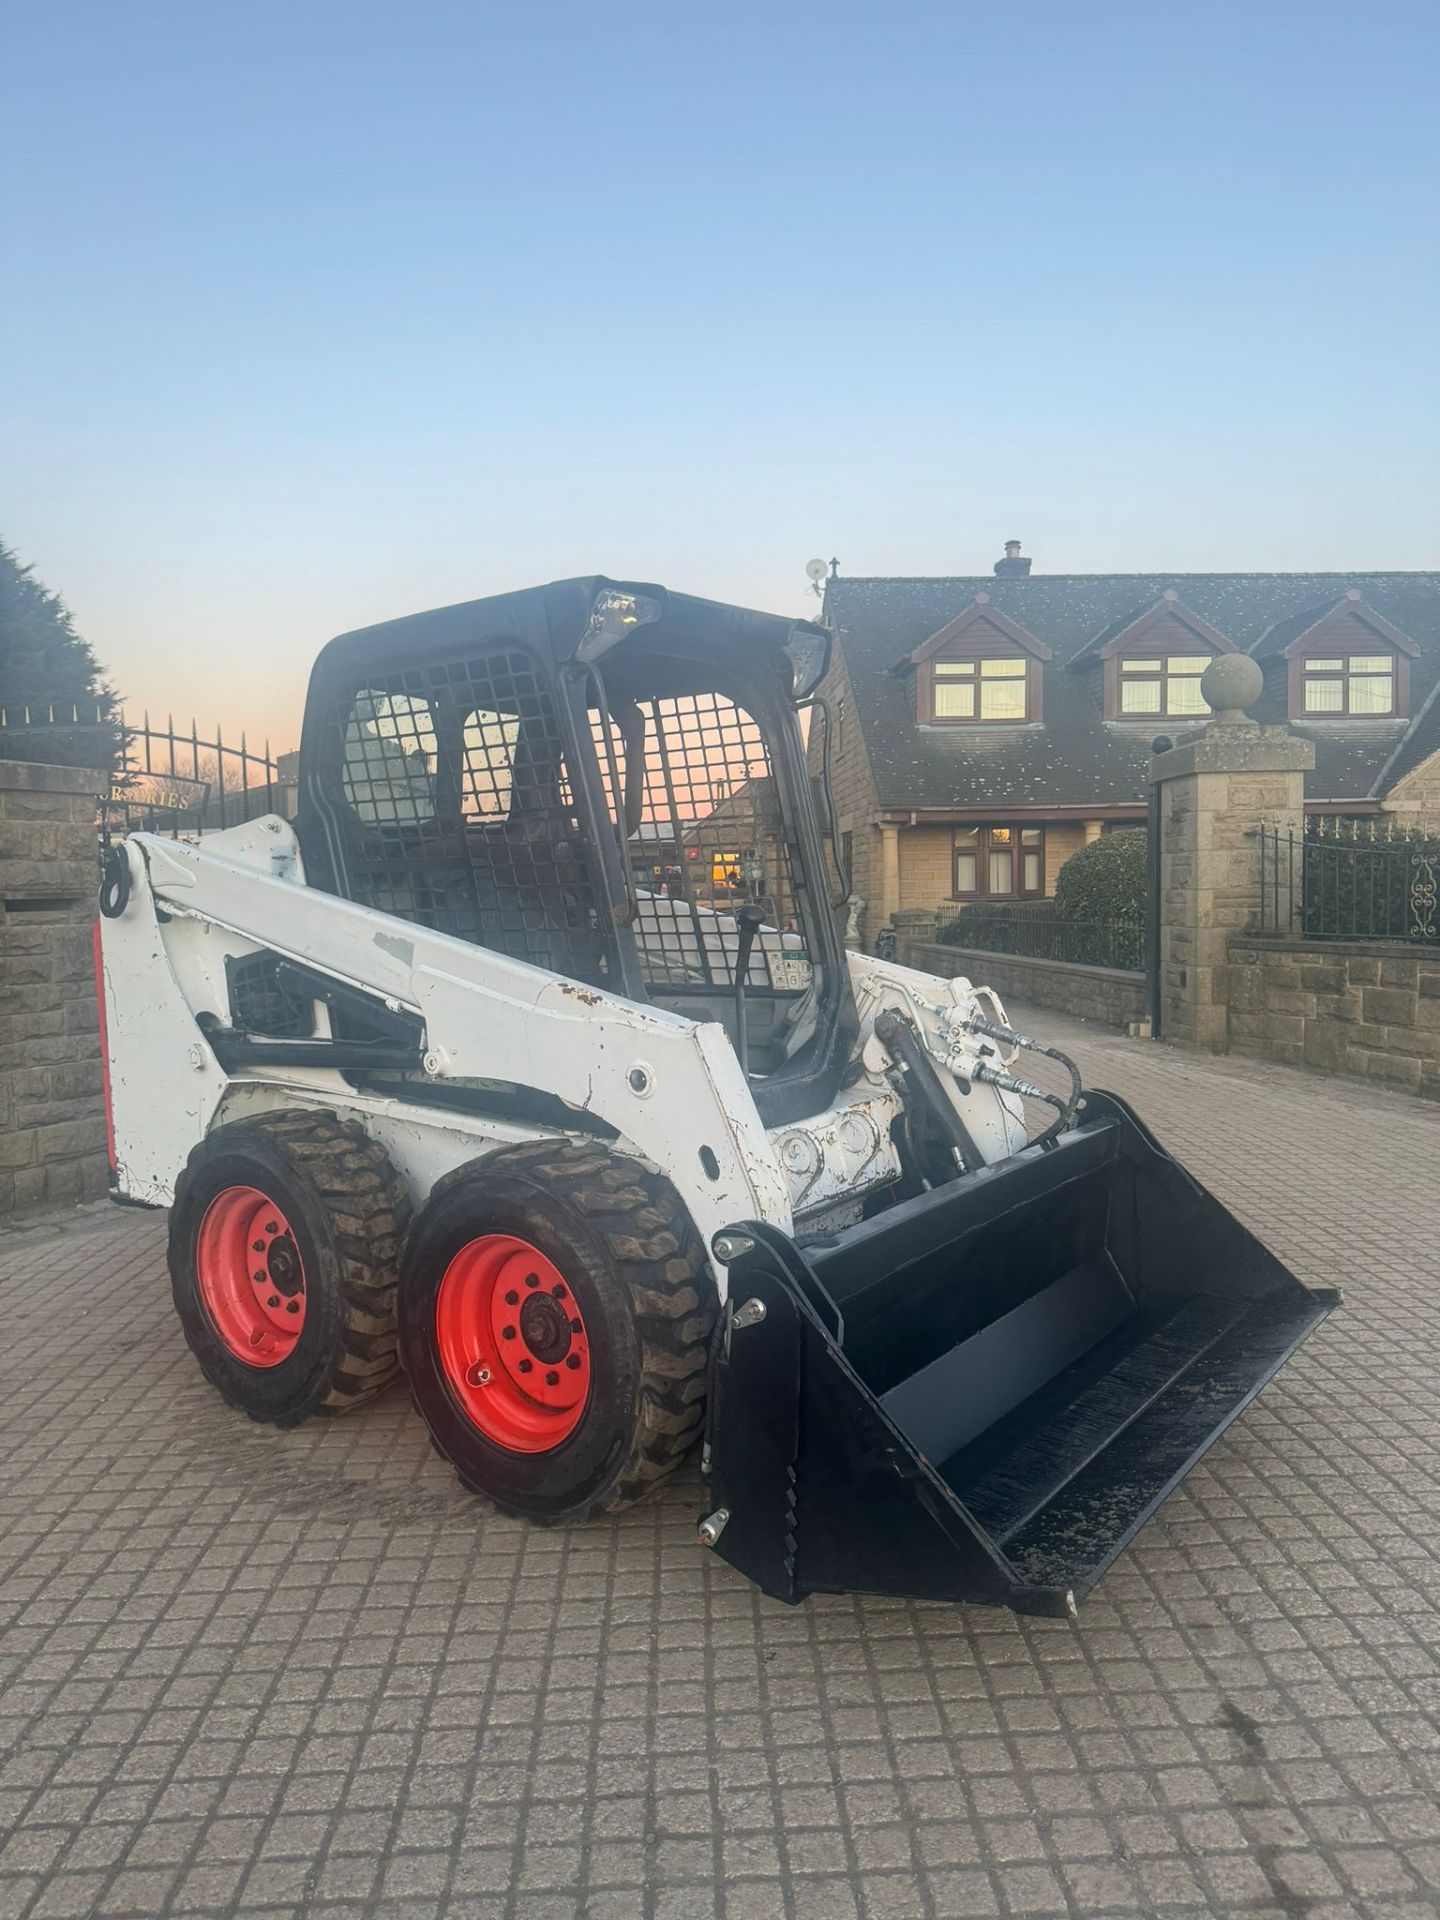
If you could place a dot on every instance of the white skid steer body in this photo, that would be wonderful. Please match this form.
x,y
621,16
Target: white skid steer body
x,y
671,1087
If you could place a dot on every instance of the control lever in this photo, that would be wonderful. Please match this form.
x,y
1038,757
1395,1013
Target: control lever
x,y
749,919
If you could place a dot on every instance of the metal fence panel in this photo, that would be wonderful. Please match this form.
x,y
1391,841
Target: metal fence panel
x,y
1039,933
1349,884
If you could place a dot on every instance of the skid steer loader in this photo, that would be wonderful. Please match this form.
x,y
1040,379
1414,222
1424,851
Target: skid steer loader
x,y
528,1059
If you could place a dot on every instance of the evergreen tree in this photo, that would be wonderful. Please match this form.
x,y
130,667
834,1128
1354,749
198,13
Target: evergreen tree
x,y
43,660
45,666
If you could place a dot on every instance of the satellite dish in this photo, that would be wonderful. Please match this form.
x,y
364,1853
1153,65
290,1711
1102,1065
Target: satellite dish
x,y
816,570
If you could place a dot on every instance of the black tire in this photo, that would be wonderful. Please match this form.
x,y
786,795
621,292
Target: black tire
x,y
347,1209
625,1245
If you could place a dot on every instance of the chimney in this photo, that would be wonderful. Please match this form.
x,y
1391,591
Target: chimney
x,y
1012,566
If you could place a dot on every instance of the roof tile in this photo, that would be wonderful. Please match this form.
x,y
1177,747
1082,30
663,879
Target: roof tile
x,y
1076,757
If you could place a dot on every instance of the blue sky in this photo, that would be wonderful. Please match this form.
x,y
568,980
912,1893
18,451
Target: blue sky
x,y
323,312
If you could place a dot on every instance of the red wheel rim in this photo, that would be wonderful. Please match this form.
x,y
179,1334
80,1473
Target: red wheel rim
x,y
512,1344
252,1280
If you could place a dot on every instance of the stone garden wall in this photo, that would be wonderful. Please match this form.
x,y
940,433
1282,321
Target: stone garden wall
x,y
52,1126
1110,995
1367,1008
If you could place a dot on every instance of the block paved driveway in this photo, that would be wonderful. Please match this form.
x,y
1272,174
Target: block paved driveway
x,y
249,1672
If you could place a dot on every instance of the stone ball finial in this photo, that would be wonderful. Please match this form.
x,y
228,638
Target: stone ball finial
x,y
1230,685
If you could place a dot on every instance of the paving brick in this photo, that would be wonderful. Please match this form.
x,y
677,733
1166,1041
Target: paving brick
x,y
251,1673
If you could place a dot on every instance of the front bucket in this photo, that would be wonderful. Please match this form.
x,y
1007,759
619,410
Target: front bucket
x,y
984,1393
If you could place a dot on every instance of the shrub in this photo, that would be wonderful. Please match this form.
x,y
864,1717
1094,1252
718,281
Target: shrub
x,y
1106,880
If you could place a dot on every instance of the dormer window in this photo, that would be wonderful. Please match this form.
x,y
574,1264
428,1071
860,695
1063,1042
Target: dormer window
x,y
980,690
1153,661
1164,684
981,670
1359,683
1347,663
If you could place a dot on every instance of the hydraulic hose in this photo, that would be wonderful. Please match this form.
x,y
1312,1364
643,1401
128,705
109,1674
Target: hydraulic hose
x,y
904,1045
997,1077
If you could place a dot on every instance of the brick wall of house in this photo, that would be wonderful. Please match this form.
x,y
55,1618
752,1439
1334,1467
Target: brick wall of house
x,y
927,869
1060,842
1363,1008
1415,800
927,877
52,1126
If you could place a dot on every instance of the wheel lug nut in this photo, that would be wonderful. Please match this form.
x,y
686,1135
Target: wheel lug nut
x,y
572,1360
512,1299
293,1307
273,1301
259,1246
527,1366
532,1279
259,1279
272,1226
552,1379
558,1291
507,1333
577,1326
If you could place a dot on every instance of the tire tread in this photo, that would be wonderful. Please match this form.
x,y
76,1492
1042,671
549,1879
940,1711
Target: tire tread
x,y
659,1260
368,1206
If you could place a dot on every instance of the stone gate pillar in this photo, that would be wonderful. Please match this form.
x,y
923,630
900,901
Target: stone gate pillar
x,y
52,1118
1216,789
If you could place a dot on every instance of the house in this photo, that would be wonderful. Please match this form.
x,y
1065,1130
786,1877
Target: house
x,y
983,728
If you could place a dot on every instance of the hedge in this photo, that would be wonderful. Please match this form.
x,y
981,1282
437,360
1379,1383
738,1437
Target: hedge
x,y
1106,880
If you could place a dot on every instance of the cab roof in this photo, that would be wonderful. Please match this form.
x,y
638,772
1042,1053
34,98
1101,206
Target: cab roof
x,y
550,620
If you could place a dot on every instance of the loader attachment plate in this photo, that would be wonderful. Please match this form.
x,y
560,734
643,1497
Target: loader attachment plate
x,y
984,1393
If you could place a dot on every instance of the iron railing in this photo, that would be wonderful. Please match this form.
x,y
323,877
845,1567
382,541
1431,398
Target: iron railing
x,y
162,779
69,733
1040,933
37,715
1348,880
170,780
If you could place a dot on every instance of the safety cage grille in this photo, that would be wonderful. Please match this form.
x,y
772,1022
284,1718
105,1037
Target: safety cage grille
x,y
458,811
691,779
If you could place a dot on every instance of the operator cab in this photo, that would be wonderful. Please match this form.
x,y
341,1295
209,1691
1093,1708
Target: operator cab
x,y
607,782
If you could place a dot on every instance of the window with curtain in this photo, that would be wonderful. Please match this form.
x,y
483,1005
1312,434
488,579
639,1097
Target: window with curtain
x,y
999,862
1362,684
1162,684
981,689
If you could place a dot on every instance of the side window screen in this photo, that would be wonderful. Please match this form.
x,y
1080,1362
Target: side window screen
x,y
455,811
487,777
387,771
